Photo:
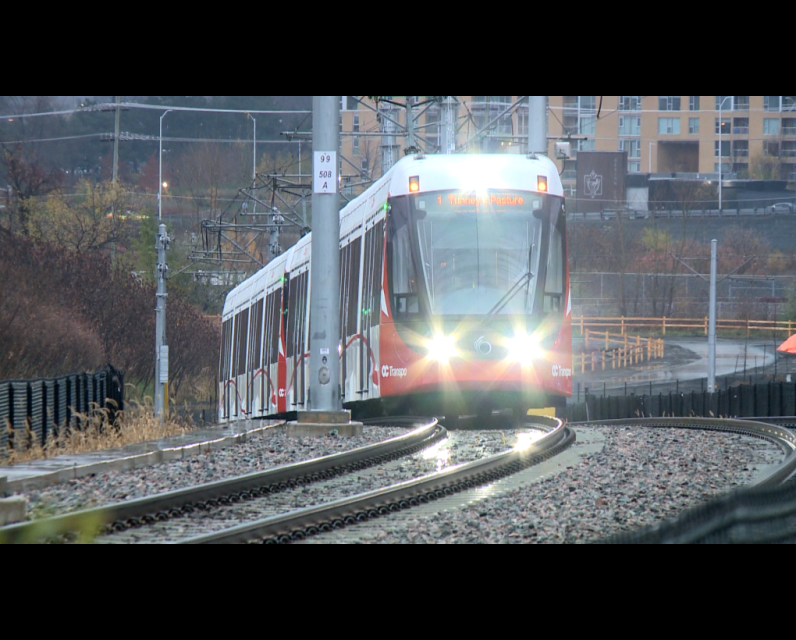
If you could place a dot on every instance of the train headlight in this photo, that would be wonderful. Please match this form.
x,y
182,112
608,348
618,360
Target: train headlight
x,y
441,348
523,348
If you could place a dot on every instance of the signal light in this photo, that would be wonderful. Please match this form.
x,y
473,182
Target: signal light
x,y
414,184
541,183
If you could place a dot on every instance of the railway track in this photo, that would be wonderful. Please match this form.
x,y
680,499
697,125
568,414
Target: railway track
x,y
271,504
324,520
303,523
163,507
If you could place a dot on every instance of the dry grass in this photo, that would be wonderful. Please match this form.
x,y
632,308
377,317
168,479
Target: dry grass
x,y
134,425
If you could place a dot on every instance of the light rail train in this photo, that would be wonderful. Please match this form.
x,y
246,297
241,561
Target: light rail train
x,y
454,297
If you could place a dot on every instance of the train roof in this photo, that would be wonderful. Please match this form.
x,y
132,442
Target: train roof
x,y
468,171
437,172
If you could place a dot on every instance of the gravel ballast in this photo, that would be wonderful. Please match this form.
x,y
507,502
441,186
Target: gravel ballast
x,y
639,476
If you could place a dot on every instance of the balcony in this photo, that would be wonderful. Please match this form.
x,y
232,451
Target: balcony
x,y
740,130
789,131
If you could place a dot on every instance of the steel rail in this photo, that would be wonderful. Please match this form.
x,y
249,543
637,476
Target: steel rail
x,y
784,438
302,523
162,506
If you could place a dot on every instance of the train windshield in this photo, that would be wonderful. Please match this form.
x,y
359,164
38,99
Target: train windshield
x,y
487,253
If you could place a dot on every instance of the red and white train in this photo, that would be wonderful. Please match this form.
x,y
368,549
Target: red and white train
x,y
454,298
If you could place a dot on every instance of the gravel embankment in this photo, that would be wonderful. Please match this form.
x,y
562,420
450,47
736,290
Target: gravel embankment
x,y
269,450
640,476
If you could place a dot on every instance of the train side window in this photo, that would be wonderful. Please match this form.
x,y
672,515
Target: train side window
x,y
353,288
257,327
402,267
276,324
235,340
291,320
225,348
378,254
242,342
554,277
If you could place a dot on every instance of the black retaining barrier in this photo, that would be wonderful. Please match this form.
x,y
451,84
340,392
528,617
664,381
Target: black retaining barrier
x,y
767,400
32,410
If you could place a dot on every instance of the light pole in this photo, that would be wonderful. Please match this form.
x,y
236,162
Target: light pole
x,y
161,348
721,106
254,158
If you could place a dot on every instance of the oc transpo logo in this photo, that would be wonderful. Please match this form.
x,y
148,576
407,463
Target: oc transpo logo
x,y
561,372
392,372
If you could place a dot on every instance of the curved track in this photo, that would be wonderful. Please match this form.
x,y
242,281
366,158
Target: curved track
x,y
173,504
303,523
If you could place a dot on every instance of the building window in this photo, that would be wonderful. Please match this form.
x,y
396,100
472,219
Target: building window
x,y
723,104
770,126
740,103
693,103
740,125
633,148
740,148
725,126
789,103
633,167
629,125
630,103
355,145
725,167
693,125
789,126
771,103
585,145
363,163
669,125
771,149
741,169
788,149
725,148
668,103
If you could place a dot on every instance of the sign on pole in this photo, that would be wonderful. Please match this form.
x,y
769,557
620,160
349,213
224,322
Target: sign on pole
x,y
324,168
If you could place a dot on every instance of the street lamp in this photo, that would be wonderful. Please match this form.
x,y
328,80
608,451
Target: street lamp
x,y
160,166
721,106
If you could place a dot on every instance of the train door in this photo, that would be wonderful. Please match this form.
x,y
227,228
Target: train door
x,y
241,382
225,369
369,310
296,339
350,258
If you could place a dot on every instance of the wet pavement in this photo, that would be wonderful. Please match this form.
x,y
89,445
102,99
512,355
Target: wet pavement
x,y
685,361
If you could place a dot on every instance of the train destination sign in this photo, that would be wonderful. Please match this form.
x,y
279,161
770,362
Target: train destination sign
x,y
492,201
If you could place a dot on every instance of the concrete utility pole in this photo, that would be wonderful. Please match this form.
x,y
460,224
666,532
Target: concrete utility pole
x,y
448,125
161,347
712,321
325,408
410,125
537,125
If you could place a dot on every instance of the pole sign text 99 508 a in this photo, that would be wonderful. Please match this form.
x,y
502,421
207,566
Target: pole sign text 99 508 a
x,y
324,172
